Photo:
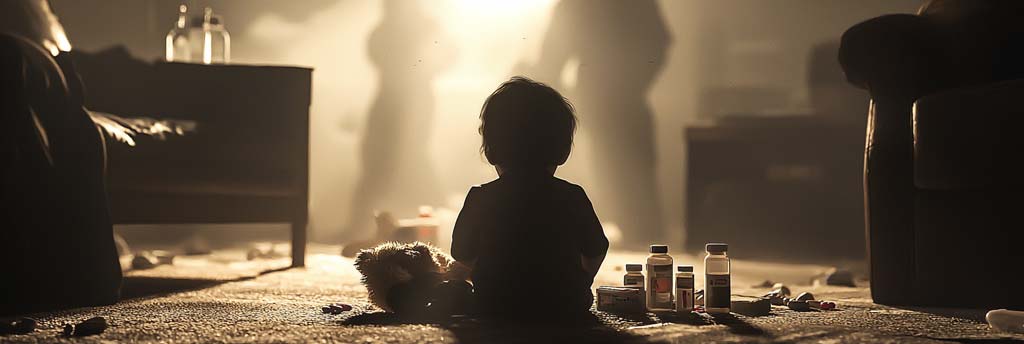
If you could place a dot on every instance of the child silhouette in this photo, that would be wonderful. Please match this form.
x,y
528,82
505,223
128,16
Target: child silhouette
x,y
532,240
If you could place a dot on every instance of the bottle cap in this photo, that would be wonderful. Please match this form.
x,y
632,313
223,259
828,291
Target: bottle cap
x,y
715,247
634,267
659,248
684,268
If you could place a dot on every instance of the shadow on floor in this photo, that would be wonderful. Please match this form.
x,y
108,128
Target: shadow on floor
x,y
541,333
739,326
134,287
381,318
977,315
595,328
141,287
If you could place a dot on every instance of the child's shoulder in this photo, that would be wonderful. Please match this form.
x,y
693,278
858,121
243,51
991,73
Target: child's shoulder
x,y
483,186
568,185
556,181
477,190
500,184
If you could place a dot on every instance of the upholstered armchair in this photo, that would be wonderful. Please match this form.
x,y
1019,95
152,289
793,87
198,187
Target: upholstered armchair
x,y
940,178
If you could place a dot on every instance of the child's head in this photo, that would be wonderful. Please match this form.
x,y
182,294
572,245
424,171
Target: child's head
x,y
526,124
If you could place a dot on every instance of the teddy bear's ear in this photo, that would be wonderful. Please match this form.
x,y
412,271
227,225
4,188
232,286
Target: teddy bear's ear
x,y
365,257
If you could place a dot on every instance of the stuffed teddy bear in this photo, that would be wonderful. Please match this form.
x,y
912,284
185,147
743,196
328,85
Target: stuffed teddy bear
x,y
414,279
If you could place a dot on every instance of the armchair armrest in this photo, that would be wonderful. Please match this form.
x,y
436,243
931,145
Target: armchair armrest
x,y
967,138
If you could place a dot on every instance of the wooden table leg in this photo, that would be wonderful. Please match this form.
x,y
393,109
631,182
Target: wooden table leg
x,y
299,244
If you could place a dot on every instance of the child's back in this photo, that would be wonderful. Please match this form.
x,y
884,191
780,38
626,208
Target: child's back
x,y
533,240
526,232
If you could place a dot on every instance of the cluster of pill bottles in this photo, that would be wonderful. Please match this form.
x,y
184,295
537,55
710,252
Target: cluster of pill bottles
x,y
667,291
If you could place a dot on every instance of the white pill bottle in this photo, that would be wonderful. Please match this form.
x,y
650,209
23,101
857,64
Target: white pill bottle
x,y
634,276
717,284
684,289
660,280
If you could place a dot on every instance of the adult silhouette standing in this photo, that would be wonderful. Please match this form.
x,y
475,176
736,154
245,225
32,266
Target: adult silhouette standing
x,y
620,46
407,48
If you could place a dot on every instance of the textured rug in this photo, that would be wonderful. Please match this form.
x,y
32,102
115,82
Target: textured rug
x,y
178,304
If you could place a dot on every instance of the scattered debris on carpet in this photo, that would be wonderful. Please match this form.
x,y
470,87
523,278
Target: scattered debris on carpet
x,y
835,277
17,326
336,308
752,308
1006,320
151,259
88,327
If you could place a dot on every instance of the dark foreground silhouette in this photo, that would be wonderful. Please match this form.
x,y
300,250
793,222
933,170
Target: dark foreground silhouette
x,y
526,235
56,236
529,234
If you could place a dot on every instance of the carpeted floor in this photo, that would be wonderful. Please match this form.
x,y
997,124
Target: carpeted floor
x,y
284,306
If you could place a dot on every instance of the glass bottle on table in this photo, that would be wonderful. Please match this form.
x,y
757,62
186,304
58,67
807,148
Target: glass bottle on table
x,y
209,41
176,45
196,38
216,40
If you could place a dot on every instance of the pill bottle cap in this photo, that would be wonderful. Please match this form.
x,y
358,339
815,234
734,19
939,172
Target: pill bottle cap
x,y
716,247
659,248
634,267
684,268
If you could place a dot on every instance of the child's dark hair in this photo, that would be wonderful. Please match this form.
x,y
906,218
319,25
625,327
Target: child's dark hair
x,y
525,123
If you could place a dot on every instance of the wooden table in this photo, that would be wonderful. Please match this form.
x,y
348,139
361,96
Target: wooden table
x,y
246,162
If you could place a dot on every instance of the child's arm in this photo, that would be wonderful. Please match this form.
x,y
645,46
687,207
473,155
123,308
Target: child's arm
x,y
465,234
595,244
592,264
459,271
